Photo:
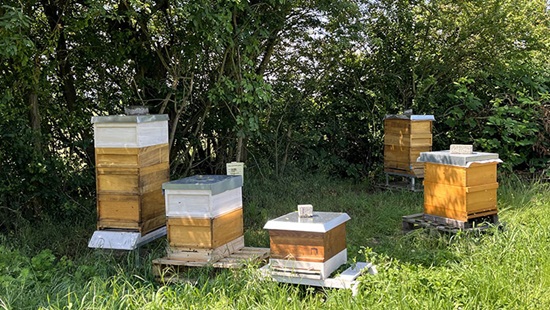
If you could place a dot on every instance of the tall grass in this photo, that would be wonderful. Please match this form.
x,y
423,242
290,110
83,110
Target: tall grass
x,y
48,266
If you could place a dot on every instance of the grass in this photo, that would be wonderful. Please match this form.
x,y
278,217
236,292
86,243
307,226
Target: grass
x,y
48,266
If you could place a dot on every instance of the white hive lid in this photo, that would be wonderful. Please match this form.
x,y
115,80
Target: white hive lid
x,y
411,117
215,183
319,222
463,160
129,118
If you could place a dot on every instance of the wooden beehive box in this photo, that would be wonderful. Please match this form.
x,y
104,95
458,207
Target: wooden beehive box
x,y
204,233
203,212
132,162
460,186
405,137
314,245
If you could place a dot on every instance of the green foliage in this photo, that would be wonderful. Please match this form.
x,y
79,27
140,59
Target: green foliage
x,y
510,124
280,85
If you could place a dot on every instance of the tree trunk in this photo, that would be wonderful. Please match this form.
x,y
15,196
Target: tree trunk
x,y
35,121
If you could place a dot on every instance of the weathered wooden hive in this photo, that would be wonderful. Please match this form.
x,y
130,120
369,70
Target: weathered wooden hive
x,y
204,217
310,246
405,137
460,186
132,162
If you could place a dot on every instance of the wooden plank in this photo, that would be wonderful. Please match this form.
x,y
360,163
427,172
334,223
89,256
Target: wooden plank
x,y
298,252
404,153
117,171
416,140
154,155
227,227
407,126
399,165
335,241
483,216
132,157
460,215
457,202
155,174
132,181
169,268
117,150
421,127
460,197
151,223
478,224
189,221
402,159
307,246
123,207
189,236
118,184
118,224
476,174
205,255
297,237
143,227
116,160
152,204
205,232
242,257
324,269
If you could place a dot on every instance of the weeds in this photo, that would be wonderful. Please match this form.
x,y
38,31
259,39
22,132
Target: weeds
x,y
48,267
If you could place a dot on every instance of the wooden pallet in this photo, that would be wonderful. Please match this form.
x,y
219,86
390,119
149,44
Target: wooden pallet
x,y
169,270
421,220
345,280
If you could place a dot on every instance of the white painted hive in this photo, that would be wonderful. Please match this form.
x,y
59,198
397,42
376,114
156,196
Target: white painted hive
x,y
310,246
203,196
130,131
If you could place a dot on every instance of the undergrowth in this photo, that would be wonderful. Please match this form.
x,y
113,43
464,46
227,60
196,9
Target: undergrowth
x,y
47,265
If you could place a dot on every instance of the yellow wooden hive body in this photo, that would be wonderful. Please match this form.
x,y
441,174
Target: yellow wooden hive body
x,y
404,140
461,193
204,233
129,187
307,246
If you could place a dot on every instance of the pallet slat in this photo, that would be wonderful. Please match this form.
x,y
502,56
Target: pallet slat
x,y
421,220
170,270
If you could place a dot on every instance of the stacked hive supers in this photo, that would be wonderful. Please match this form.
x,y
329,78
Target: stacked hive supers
x,y
311,246
405,137
462,187
132,162
204,217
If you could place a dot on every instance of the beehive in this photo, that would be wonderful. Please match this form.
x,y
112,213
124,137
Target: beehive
x,y
203,212
312,245
460,186
405,137
132,162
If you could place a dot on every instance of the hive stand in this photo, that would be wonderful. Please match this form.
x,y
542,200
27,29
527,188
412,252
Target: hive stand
x,y
345,280
123,240
168,270
410,185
